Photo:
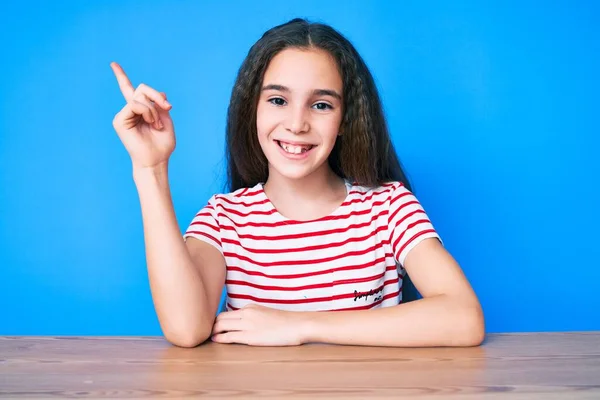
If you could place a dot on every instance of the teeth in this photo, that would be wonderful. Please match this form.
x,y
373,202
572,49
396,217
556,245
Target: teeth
x,y
294,149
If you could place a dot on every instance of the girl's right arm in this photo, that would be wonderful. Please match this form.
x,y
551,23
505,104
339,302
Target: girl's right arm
x,y
186,278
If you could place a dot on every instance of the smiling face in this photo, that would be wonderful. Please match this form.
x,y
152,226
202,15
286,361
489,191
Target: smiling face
x,y
299,112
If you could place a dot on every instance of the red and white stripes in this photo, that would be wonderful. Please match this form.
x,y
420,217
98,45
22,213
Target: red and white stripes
x,y
350,259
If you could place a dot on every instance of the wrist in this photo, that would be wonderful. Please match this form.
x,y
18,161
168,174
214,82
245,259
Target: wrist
x,y
154,172
306,326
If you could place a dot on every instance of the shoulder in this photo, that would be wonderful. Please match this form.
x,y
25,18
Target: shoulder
x,y
393,196
384,192
243,197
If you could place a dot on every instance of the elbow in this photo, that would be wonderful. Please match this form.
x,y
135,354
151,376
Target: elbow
x,y
187,341
472,332
187,338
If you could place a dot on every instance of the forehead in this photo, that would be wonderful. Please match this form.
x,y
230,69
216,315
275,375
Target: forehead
x,y
303,69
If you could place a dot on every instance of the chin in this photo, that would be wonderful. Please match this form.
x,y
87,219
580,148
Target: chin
x,y
293,173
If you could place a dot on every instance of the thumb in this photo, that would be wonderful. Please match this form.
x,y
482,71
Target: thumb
x,y
164,114
164,96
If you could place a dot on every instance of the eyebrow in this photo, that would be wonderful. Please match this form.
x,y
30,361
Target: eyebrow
x,y
316,92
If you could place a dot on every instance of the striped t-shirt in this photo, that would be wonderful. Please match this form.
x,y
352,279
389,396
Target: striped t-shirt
x,y
350,259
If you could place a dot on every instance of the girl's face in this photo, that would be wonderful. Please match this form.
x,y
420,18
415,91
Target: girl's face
x,y
299,112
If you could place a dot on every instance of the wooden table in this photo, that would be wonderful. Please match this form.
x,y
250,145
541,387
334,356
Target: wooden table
x,y
507,366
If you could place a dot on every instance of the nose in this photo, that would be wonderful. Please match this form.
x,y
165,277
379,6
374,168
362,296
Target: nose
x,y
297,120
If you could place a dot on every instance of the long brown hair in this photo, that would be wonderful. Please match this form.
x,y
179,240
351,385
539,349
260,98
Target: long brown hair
x,y
363,154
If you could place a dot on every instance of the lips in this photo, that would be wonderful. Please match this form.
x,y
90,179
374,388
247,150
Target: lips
x,y
297,151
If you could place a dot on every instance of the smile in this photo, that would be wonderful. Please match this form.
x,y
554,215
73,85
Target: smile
x,y
295,151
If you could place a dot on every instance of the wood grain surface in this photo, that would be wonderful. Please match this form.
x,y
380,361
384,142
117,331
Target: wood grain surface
x,y
506,366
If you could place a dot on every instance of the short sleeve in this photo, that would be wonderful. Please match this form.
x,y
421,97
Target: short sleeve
x,y
205,225
408,222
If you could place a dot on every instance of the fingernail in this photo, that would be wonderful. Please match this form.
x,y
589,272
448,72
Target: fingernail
x,y
167,103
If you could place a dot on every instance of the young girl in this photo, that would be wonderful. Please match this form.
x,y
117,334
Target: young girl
x,y
320,216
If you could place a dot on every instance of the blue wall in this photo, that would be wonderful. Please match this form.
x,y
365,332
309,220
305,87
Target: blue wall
x,y
493,108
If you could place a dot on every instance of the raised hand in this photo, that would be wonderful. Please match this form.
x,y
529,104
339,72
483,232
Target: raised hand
x,y
144,124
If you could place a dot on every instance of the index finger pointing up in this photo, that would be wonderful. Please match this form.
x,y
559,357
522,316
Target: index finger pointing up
x,y
124,82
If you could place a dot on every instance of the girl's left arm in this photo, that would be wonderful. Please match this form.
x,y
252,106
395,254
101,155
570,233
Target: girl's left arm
x,y
448,315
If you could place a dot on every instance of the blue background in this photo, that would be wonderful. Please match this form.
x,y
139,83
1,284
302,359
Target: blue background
x,y
493,109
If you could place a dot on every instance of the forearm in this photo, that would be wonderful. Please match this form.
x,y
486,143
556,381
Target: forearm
x,y
434,321
177,290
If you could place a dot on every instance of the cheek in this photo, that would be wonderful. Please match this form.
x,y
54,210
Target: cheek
x,y
264,128
329,129
264,119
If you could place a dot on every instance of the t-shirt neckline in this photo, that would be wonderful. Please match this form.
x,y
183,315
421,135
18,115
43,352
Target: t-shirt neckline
x,y
286,219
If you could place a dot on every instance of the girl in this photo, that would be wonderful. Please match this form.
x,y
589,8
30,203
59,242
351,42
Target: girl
x,y
319,214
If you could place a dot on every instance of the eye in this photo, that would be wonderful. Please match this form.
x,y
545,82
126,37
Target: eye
x,y
323,106
277,101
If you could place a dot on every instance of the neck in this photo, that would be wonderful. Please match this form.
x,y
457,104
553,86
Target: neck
x,y
316,186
